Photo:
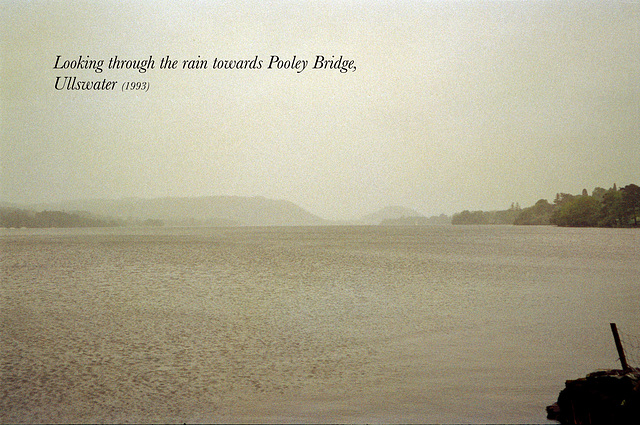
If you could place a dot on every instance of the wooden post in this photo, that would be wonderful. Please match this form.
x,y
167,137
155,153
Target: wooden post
x,y
616,337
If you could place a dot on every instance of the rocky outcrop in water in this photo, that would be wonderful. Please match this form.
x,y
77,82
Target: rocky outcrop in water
x,y
604,397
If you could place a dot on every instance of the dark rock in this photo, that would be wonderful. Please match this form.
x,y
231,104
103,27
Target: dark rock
x,y
609,396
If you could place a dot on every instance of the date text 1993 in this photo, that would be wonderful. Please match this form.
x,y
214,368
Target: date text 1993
x,y
135,85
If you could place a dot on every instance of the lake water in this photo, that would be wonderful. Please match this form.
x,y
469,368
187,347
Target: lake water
x,y
461,324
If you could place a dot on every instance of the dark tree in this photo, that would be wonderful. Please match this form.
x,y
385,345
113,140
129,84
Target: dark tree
x,y
598,193
631,202
612,211
581,211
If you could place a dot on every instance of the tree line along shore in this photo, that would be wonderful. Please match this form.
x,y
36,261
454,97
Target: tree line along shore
x,y
611,207
19,218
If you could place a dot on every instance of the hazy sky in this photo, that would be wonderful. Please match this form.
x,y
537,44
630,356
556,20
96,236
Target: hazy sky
x,y
453,105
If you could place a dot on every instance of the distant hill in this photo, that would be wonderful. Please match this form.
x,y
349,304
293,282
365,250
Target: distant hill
x,y
389,213
441,219
197,211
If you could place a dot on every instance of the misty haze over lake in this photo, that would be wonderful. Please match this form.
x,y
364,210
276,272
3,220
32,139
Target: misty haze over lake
x,y
453,106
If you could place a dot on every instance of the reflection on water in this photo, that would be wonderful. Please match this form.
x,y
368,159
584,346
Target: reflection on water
x,y
327,324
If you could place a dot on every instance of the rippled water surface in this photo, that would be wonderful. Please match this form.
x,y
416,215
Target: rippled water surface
x,y
325,324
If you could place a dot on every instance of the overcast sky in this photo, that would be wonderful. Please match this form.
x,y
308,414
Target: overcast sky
x,y
452,106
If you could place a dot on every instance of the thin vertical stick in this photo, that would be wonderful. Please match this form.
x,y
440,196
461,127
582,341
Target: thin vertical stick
x,y
616,337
